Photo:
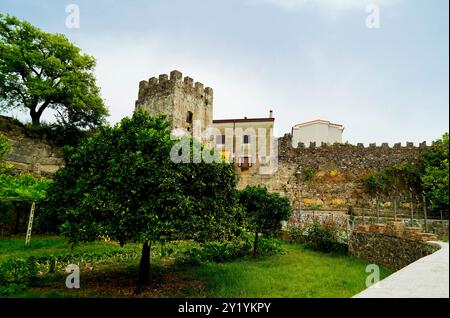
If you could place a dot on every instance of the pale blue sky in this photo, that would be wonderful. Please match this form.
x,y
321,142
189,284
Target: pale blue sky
x,y
304,59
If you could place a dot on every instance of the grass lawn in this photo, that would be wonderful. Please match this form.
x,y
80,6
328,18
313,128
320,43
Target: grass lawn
x,y
297,273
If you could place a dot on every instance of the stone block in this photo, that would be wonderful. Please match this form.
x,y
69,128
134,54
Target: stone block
x,y
412,232
362,228
395,228
425,237
176,76
377,228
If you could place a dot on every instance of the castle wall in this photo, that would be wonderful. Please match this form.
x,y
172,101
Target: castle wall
x,y
336,172
35,155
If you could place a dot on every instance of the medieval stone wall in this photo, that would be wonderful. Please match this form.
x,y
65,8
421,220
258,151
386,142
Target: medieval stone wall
x,y
336,172
35,155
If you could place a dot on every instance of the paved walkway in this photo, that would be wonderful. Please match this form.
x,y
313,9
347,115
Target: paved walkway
x,y
425,278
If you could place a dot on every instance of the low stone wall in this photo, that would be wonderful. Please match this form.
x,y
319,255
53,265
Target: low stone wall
x,y
438,227
389,251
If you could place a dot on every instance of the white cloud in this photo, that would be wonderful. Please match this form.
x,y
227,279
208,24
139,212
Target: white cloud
x,y
332,5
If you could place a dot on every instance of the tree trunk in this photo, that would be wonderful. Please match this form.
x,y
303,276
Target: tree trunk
x,y
144,266
255,245
35,117
36,114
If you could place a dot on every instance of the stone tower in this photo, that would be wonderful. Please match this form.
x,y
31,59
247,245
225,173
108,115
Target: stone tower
x,y
183,102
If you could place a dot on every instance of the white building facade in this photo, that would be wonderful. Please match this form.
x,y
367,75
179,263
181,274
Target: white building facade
x,y
318,131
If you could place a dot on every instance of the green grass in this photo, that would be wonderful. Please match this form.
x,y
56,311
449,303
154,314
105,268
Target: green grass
x,y
299,274
296,274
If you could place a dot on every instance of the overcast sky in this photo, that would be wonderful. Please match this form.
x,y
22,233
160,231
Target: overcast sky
x,y
305,59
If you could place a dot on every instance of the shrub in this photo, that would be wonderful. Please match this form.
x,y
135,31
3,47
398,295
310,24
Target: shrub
x,y
221,252
297,232
191,257
18,272
227,251
308,174
218,252
270,246
325,237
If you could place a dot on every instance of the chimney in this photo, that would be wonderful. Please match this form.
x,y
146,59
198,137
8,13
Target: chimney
x,y
271,114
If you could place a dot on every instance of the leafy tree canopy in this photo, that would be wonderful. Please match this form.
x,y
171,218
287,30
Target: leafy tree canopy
x,y
122,183
434,174
264,211
428,175
40,71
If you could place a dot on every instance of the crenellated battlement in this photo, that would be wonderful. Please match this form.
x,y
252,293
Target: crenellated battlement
x,y
287,141
167,84
347,156
182,100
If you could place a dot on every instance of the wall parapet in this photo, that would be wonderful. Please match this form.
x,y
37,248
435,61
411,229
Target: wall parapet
x,y
286,140
166,84
347,156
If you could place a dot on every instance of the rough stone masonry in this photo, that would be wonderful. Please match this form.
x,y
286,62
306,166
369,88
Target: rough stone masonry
x,y
30,154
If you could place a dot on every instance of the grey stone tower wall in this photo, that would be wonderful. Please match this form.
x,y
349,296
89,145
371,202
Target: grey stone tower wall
x,y
175,96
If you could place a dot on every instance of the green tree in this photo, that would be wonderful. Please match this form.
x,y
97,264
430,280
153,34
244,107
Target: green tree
x,y
379,183
122,183
372,183
213,203
264,211
434,174
40,71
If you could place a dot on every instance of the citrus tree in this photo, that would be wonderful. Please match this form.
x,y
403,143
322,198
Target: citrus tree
x,y
264,211
122,183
